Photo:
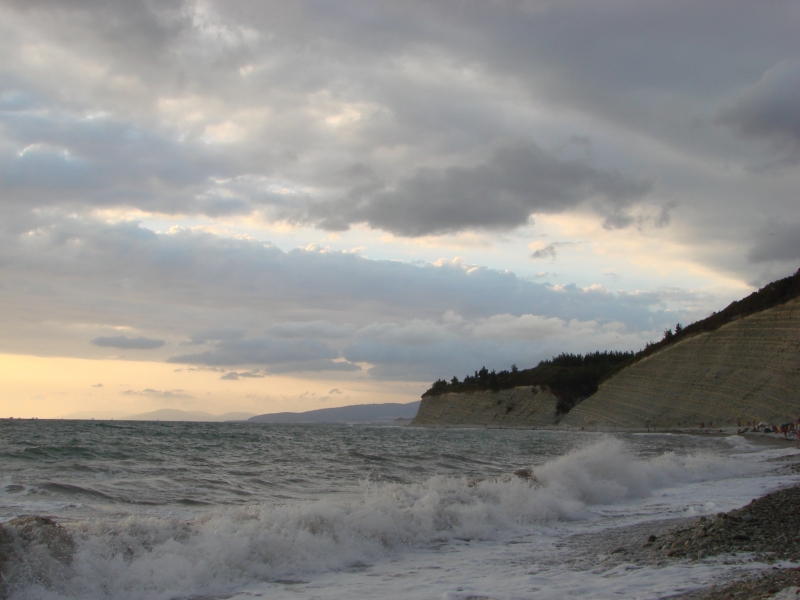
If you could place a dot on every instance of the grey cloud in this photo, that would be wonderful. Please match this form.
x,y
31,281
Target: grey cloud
x,y
777,242
516,182
546,252
393,312
317,329
215,335
262,351
188,277
60,159
433,85
126,343
314,366
550,251
770,110
234,375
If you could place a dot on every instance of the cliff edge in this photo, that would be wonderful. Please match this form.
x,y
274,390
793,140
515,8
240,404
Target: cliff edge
x,y
524,406
747,370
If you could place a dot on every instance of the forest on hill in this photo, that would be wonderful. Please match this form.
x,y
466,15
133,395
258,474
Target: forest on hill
x,y
570,377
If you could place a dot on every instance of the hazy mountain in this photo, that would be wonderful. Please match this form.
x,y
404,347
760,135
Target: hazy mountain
x,y
344,414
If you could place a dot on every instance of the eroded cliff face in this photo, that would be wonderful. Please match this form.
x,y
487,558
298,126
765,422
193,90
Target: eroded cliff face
x,y
525,406
747,370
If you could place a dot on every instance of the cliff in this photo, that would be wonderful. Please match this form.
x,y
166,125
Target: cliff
x,y
747,370
524,406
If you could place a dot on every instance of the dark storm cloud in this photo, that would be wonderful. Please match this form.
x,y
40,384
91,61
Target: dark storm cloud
x,y
502,193
126,343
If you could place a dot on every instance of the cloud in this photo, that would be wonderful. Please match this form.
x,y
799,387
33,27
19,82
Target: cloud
x,y
413,118
176,394
126,343
317,329
215,335
272,354
97,385
192,273
234,375
769,109
517,181
777,242
546,252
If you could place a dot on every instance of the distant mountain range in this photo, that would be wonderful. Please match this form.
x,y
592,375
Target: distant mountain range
x,y
356,413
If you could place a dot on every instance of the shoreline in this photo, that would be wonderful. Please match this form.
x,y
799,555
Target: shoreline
x,y
766,531
767,438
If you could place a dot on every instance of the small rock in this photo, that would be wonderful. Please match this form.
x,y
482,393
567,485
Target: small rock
x,y
652,538
524,473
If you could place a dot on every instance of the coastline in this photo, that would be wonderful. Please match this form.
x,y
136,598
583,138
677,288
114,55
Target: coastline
x,y
766,531
757,438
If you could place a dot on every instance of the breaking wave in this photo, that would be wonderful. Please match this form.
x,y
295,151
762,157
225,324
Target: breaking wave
x,y
161,558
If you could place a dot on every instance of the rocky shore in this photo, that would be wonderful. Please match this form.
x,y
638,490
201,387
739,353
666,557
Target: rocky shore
x,y
765,531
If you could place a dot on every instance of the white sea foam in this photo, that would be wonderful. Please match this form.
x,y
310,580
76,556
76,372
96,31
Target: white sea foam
x,y
228,549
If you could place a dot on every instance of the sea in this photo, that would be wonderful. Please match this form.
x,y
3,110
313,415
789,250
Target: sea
x,y
179,511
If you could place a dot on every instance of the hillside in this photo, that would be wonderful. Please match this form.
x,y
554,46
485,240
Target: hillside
x,y
740,364
771,295
745,370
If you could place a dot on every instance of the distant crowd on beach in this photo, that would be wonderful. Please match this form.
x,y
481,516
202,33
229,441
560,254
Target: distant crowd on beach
x,y
789,430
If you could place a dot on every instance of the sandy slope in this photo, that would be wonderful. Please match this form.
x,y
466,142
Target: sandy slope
x,y
746,370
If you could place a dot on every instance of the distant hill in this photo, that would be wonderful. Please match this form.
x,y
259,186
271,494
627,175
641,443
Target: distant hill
x,y
364,413
173,414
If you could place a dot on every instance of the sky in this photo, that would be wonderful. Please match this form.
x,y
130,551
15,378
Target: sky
x,y
268,206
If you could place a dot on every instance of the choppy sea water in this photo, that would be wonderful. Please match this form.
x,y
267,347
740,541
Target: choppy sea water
x,y
207,510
